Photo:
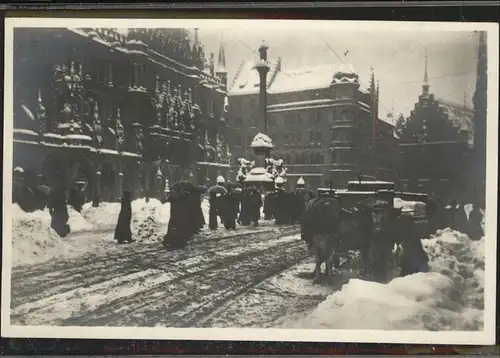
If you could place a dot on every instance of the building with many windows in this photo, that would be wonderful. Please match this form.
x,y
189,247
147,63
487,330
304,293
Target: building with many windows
x,y
323,122
116,111
436,147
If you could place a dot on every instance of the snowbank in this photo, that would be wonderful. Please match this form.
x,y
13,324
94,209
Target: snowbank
x,y
31,234
450,297
33,241
32,238
104,216
149,220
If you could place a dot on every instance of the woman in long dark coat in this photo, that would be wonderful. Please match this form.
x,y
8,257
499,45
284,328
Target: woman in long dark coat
x,y
122,232
59,212
475,229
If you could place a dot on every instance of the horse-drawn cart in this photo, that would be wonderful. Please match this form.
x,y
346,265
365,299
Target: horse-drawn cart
x,y
370,217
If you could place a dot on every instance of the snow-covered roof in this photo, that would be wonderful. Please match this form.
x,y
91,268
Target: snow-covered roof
x,y
281,80
303,79
247,79
458,113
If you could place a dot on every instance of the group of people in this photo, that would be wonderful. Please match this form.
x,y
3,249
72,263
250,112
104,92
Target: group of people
x,y
231,203
455,217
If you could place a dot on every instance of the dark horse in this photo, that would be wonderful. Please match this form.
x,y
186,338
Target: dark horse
x,y
328,229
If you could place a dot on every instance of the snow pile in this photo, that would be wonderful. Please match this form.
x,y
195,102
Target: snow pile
x,y
104,216
31,234
149,219
77,222
450,297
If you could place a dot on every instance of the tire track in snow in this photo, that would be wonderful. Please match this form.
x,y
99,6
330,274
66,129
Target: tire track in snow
x,y
58,265
171,304
46,306
84,274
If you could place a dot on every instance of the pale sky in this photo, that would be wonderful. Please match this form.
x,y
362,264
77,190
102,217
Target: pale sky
x,y
397,57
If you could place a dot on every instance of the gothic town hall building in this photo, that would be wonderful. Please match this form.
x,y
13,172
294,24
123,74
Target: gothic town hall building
x,y
116,111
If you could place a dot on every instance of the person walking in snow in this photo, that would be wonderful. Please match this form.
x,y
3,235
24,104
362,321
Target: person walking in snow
x,y
281,206
301,197
58,210
475,231
231,205
197,203
216,195
255,204
459,217
123,233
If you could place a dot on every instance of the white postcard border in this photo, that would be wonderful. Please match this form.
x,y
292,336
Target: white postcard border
x,y
316,335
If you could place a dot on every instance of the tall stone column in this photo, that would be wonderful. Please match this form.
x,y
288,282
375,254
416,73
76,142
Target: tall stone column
x,y
263,69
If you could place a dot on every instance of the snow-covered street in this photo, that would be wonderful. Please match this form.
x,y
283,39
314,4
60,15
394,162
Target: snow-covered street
x,y
251,277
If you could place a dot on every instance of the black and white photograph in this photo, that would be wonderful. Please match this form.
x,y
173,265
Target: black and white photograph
x,y
250,180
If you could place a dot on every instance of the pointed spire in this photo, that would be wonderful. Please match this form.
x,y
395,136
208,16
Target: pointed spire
x,y
372,81
196,36
221,62
426,78
425,86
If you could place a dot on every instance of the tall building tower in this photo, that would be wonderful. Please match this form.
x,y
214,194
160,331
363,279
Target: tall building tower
x,y
221,71
425,85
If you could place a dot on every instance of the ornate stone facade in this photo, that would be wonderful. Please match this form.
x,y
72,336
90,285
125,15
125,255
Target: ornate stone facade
x,y
115,111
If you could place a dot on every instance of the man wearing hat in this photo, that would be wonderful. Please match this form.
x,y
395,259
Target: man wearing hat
x,y
216,194
301,197
281,208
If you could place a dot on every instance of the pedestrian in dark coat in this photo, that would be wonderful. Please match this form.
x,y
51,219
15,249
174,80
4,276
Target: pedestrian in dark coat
x,y
475,231
216,197
123,232
460,219
281,205
201,219
59,212
246,207
269,202
255,204
231,207
180,226
300,199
